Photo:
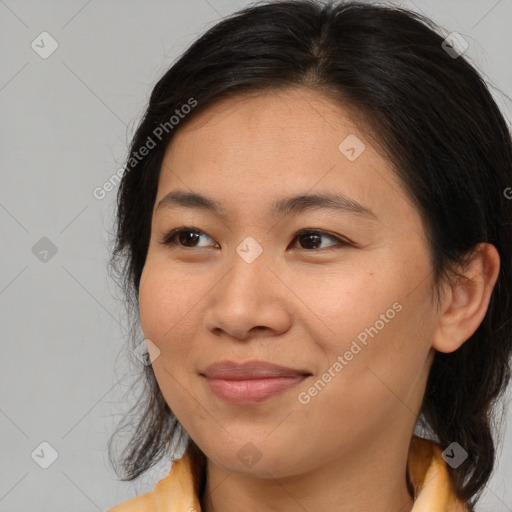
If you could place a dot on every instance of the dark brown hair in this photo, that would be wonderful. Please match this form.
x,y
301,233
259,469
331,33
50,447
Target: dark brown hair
x,y
439,126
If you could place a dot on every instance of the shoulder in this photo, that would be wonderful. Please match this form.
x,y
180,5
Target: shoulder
x,y
142,503
175,492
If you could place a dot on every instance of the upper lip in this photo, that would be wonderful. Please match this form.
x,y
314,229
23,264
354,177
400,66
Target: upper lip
x,y
249,370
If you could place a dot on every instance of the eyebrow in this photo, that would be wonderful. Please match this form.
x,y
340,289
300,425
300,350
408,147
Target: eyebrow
x,y
282,207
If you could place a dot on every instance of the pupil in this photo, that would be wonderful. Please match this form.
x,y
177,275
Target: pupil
x,y
309,236
184,236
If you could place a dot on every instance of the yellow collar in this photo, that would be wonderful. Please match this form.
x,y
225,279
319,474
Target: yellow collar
x,y
428,473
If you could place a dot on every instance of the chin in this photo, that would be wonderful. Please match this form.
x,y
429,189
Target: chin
x,y
254,459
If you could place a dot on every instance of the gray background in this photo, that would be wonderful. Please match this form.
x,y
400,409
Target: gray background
x,y
66,122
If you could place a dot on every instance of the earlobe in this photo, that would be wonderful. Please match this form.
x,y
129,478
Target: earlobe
x,y
465,305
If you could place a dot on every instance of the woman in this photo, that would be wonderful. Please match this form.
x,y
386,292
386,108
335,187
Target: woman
x,y
300,369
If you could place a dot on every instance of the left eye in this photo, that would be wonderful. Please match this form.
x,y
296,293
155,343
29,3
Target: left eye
x,y
191,235
310,236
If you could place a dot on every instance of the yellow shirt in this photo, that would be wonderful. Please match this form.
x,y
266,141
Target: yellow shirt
x,y
428,472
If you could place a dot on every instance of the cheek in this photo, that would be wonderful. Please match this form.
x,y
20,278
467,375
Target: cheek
x,y
380,330
166,304
338,306
378,363
166,317
377,302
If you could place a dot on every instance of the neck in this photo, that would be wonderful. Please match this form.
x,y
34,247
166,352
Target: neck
x,y
359,480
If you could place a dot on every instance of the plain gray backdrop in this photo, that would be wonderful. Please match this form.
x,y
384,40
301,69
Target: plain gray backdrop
x,y
67,117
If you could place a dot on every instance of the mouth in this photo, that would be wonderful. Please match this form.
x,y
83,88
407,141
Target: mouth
x,y
250,382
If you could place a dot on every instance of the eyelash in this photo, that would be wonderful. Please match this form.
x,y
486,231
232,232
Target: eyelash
x,y
169,238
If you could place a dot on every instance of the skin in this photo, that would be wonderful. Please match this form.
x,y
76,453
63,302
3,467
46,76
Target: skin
x,y
298,306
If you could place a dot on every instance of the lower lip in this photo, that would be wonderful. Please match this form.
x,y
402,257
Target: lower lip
x,y
253,390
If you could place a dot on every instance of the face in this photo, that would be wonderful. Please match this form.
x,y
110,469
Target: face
x,y
340,294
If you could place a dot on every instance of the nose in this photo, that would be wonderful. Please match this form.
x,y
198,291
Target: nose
x,y
248,300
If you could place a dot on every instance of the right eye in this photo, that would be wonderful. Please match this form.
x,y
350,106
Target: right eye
x,y
190,235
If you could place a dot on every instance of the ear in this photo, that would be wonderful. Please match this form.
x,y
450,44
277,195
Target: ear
x,y
465,301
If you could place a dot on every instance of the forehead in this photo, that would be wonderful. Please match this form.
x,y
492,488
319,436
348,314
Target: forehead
x,y
273,117
258,146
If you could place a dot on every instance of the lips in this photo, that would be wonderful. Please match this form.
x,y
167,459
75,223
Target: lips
x,y
248,370
250,382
